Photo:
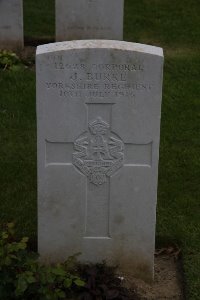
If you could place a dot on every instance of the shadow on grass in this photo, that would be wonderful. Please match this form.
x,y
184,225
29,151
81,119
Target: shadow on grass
x,y
34,42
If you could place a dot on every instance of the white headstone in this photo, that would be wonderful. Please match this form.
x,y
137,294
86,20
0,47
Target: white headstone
x,y
89,19
98,117
11,24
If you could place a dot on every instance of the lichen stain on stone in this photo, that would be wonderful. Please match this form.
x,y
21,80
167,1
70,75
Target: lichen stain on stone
x,y
118,219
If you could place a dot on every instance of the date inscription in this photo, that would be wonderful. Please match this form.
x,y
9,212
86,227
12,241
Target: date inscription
x,y
98,80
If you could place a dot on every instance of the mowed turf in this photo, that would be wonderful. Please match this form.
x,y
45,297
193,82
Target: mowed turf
x,y
173,25
18,150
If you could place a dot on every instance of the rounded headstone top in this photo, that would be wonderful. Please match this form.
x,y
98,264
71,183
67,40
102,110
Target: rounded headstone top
x,y
100,44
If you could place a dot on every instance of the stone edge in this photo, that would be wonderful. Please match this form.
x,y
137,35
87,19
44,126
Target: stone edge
x,y
100,44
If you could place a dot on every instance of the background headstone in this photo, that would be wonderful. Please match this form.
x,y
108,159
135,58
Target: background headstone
x,y
98,115
11,24
89,19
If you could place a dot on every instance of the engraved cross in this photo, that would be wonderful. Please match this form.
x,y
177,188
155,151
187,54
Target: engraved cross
x,y
98,153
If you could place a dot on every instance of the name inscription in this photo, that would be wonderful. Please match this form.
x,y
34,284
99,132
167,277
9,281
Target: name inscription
x,y
98,80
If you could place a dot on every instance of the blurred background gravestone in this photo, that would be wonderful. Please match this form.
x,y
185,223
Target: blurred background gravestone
x,y
11,24
89,19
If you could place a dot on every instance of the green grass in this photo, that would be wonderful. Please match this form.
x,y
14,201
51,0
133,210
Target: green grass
x,y
173,25
179,173
39,19
163,22
18,150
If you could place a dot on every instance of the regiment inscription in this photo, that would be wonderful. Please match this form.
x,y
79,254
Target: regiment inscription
x,y
99,80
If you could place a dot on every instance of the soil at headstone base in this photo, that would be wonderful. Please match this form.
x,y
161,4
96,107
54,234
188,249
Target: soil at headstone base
x,y
27,56
102,282
167,283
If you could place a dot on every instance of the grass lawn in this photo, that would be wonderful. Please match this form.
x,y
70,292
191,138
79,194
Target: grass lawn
x,y
173,25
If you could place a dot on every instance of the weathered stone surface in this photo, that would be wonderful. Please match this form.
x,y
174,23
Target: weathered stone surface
x,y
11,24
89,19
98,116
